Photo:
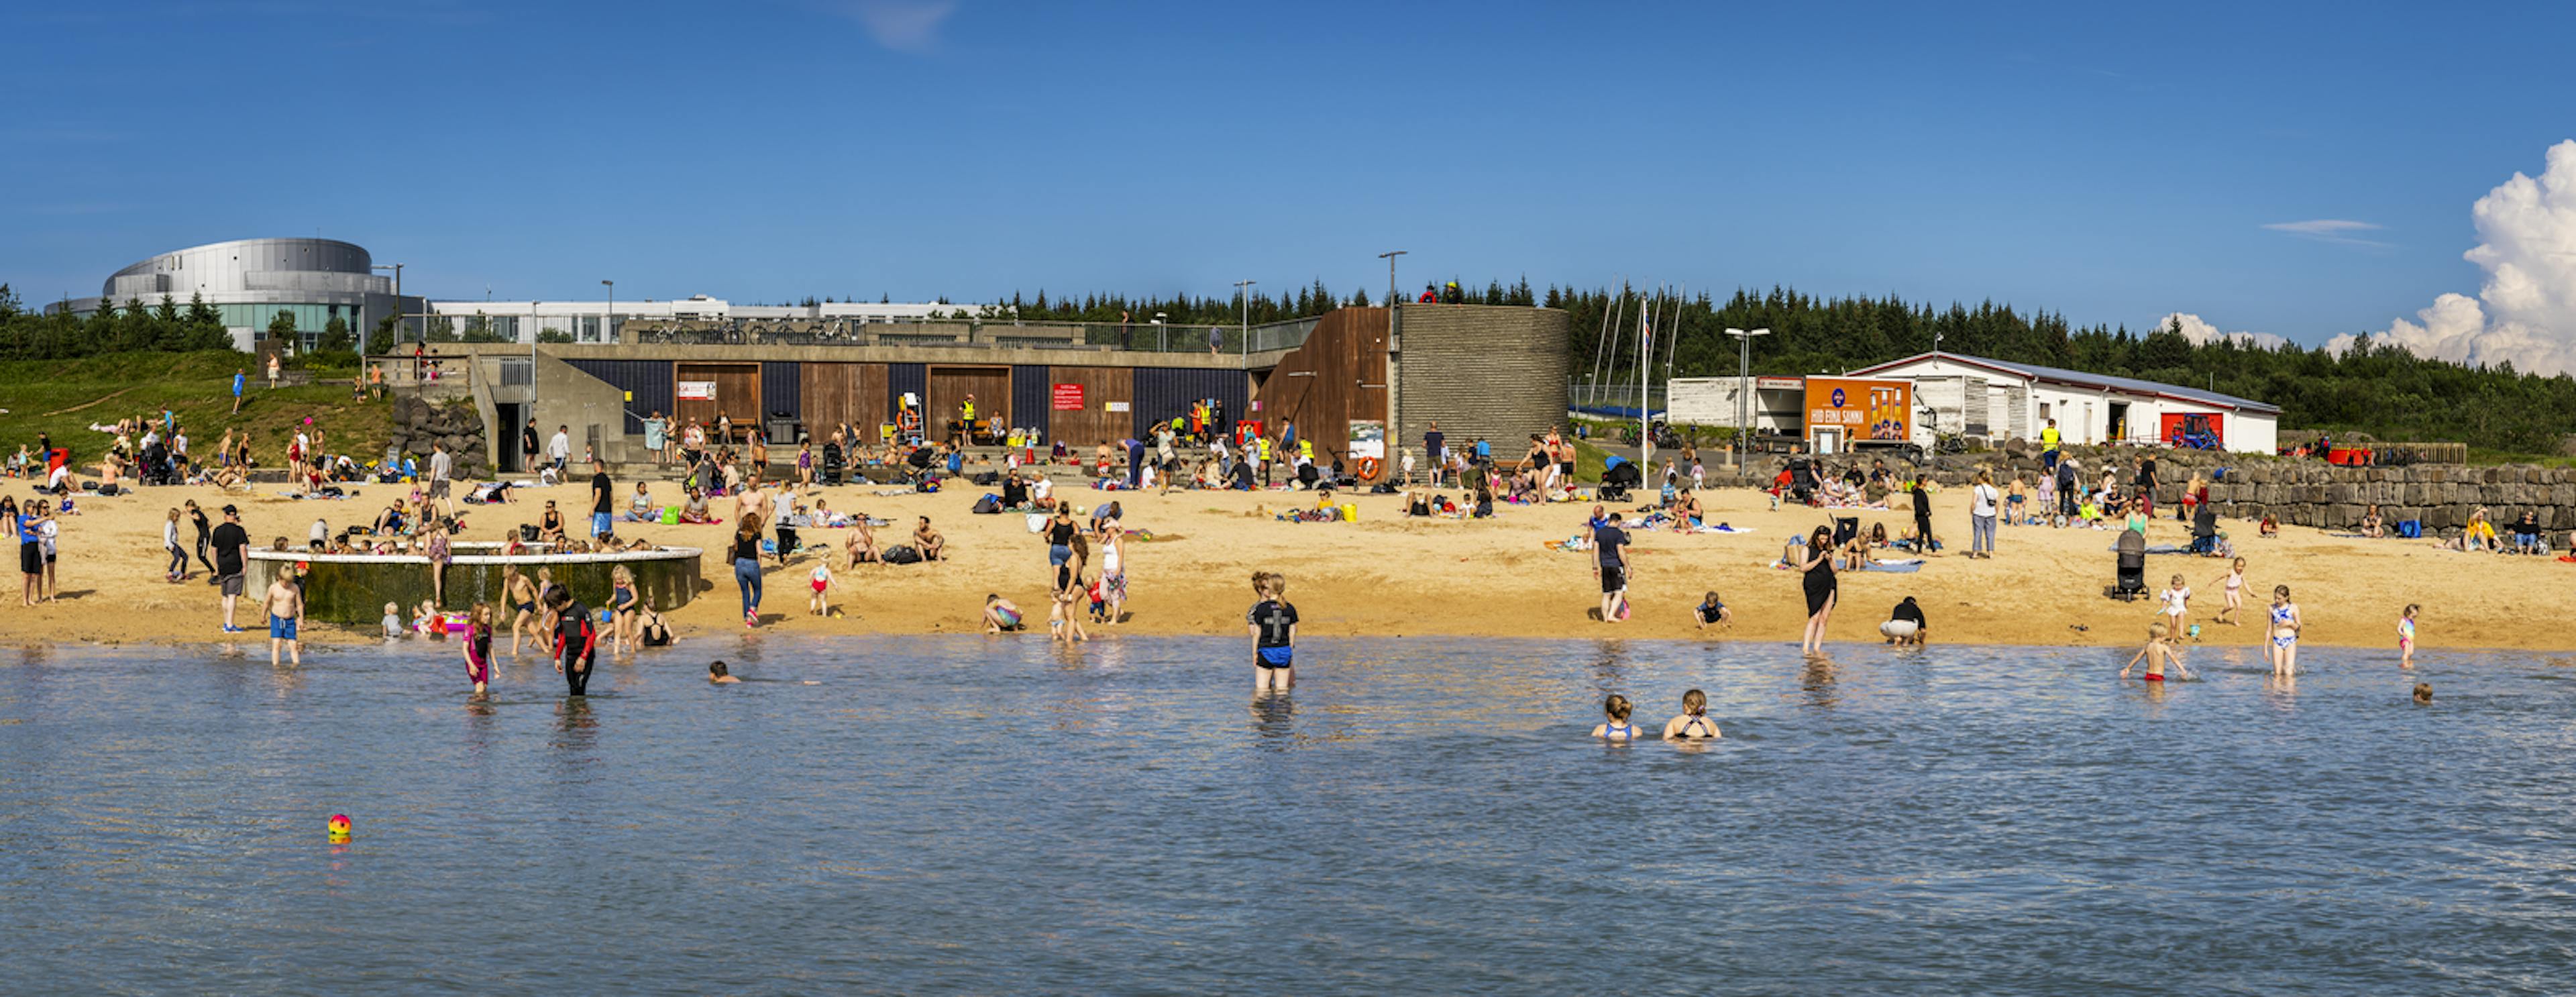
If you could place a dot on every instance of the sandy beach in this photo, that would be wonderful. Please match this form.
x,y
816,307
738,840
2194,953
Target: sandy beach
x,y
1387,576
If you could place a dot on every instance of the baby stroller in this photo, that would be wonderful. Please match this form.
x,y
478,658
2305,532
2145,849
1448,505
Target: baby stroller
x,y
2131,551
1802,480
1618,478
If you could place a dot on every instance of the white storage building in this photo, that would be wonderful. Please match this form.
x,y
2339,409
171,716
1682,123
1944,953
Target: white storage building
x,y
2001,399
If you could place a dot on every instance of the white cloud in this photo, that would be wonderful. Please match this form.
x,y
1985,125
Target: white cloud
x,y
2202,333
903,25
2335,230
2525,313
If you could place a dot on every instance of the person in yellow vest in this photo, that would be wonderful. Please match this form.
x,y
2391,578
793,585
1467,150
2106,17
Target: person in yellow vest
x,y
1264,442
1306,450
2049,439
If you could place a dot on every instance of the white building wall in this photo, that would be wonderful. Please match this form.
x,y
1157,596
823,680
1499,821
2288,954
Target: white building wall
x,y
2083,415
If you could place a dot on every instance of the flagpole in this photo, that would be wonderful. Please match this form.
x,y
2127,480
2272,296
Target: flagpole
x,y
1645,354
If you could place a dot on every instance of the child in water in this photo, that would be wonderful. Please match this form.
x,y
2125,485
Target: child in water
x,y
1710,610
2406,637
2177,600
1272,623
2234,580
2284,646
717,675
2158,655
478,647
1064,623
1617,727
1693,724
392,622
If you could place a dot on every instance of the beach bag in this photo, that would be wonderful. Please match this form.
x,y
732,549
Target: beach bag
x,y
901,554
670,515
527,533
1037,522
987,506
2412,529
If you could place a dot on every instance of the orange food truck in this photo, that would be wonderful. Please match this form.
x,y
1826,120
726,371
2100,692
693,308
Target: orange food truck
x,y
1843,414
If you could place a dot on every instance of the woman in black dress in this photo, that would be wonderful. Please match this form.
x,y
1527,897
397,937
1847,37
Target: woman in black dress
x,y
1818,572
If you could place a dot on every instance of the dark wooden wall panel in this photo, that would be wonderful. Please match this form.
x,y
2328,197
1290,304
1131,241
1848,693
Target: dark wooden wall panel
x,y
949,385
1337,376
1085,429
737,394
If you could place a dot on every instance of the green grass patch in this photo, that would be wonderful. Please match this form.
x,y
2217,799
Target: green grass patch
x,y
65,397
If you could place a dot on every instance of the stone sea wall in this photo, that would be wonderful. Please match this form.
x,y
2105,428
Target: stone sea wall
x,y
2300,492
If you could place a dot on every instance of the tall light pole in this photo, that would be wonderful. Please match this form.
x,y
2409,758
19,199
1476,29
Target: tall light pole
x,y
608,322
398,304
1243,293
1744,390
1389,256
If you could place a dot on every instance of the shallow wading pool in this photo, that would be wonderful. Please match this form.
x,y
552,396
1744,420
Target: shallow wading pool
x,y
964,814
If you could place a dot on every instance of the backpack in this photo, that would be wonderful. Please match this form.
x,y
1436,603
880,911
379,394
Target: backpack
x,y
901,554
987,506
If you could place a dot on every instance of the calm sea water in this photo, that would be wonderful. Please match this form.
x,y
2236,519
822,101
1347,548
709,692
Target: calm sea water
x,y
1420,816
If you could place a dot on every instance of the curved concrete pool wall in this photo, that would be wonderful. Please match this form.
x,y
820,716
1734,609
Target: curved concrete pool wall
x,y
354,588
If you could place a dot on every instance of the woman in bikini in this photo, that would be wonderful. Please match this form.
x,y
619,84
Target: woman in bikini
x,y
1616,727
1693,724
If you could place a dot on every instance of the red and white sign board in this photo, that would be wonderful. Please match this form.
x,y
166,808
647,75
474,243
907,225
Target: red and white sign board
x,y
697,391
1068,398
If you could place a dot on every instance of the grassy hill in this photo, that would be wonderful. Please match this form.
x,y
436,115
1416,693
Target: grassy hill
x,y
64,397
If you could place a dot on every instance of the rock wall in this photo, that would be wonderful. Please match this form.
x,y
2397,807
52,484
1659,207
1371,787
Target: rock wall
x,y
418,425
2298,492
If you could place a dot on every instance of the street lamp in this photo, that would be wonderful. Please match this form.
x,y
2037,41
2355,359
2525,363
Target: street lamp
x,y
608,321
1389,257
1744,390
1243,293
398,305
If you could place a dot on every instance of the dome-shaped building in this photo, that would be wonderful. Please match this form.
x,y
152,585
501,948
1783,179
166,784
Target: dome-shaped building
x,y
252,281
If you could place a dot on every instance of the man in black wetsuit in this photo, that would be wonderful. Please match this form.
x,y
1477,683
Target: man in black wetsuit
x,y
576,640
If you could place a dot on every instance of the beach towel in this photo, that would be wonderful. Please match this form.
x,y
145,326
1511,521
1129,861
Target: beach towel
x,y
1895,567
2160,549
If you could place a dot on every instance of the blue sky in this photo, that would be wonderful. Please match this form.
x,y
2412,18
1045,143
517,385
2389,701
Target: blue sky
x,y
2111,164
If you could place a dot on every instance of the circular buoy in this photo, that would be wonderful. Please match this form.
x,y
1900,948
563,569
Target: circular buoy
x,y
339,828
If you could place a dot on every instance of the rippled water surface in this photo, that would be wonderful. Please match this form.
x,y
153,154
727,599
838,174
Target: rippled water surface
x,y
1420,816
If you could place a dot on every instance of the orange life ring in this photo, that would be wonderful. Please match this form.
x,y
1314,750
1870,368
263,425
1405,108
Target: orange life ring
x,y
1368,468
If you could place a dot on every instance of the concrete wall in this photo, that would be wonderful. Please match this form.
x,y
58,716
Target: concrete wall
x,y
594,409
1479,370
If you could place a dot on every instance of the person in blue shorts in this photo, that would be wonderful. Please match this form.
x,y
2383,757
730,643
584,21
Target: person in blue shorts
x,y
285,617
240,377
1273,624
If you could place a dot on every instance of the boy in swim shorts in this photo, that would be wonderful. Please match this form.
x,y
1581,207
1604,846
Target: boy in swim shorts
x,y
2157,654
285,605
1273,626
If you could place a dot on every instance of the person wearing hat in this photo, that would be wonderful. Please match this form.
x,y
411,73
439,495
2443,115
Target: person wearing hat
x,y
966,415
232,554
1451,295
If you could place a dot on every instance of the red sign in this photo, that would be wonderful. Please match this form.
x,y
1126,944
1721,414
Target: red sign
x,y
1068,398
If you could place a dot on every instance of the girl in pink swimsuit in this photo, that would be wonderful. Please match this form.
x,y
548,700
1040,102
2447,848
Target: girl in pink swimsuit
x,y
478,647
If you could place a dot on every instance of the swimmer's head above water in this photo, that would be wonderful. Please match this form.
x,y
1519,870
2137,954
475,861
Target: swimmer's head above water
x,y
1617,707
